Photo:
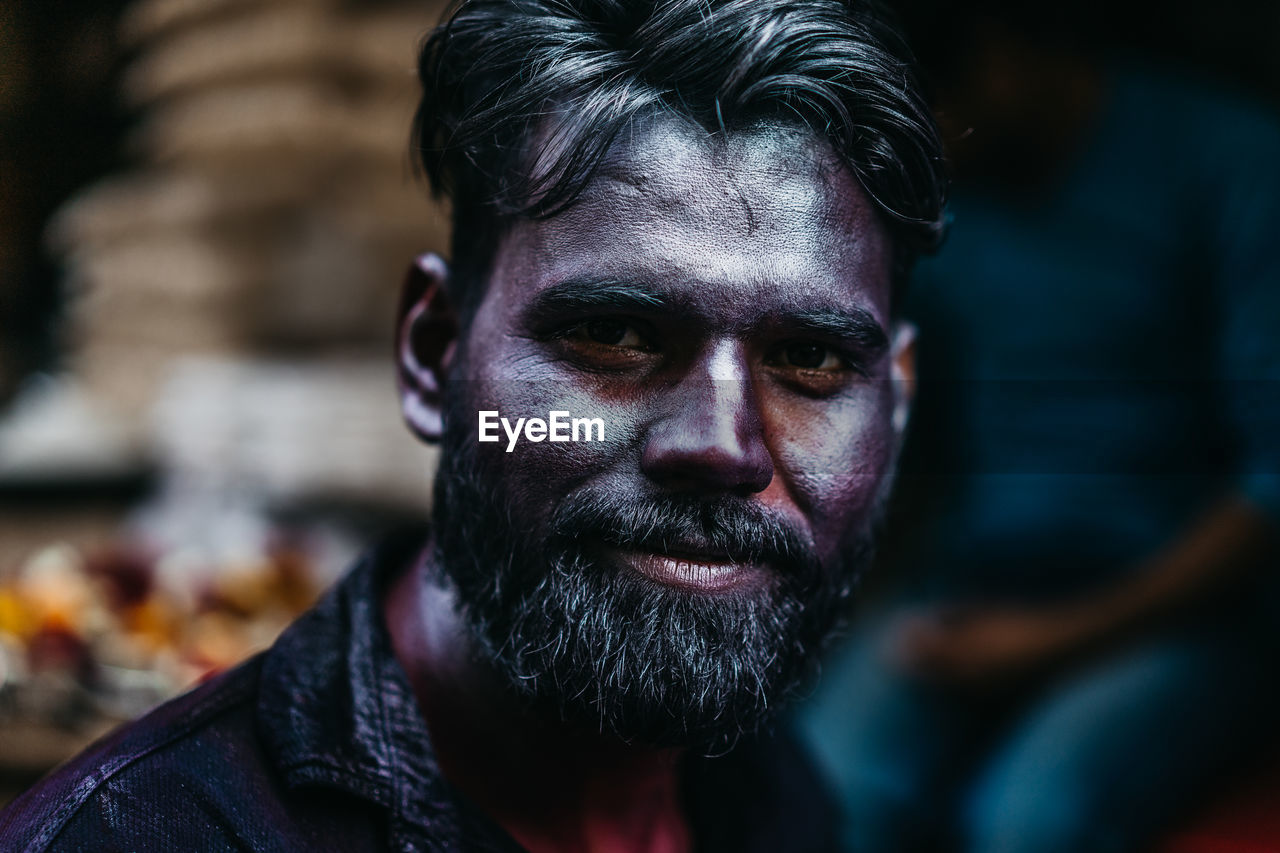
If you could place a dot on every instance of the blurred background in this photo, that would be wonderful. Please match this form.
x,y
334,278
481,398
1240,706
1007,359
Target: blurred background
x,y
1071,638
206,210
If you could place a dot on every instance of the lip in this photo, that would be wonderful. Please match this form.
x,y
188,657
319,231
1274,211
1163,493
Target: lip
x,y
705,573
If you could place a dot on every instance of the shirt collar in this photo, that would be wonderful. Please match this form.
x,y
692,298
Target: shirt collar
x,y
335,707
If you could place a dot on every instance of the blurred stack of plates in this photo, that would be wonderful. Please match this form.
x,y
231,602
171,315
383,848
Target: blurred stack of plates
x,y
268,222
287,432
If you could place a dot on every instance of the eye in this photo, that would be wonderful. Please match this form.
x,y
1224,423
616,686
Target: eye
x,y
607,332
808,355
608,343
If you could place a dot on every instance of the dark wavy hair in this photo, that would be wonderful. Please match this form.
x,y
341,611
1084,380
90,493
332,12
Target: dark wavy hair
x,y
577,72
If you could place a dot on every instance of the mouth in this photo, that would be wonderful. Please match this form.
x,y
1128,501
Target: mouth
x,y
696,571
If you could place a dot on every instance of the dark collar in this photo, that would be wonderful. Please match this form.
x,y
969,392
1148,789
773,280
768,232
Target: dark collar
x,y
335,708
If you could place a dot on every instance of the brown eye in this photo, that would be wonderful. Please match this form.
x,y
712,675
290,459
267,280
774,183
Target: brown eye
x,y
608,332
806,355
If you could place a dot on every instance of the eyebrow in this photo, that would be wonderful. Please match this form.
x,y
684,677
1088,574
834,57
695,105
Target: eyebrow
x,y
855,326
578,294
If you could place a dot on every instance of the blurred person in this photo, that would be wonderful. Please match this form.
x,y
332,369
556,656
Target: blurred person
x,y
687,221
1082,634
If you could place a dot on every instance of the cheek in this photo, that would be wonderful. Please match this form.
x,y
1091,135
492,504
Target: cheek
x,y
832,458
539,474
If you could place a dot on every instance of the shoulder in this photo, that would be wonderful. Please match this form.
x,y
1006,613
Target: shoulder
x,y
174,761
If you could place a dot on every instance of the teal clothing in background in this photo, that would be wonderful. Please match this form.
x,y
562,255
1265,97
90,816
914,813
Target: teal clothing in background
x,y
1099,362
1101,359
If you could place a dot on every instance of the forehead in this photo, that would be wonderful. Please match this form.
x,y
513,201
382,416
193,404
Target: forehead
x,y
766,217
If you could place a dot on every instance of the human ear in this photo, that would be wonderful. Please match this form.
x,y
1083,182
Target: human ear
x,y
902,374
426,343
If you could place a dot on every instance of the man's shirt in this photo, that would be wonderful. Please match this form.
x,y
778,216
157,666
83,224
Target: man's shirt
x,y
318,745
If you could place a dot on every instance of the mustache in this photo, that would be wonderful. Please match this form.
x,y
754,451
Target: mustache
x,y
684,524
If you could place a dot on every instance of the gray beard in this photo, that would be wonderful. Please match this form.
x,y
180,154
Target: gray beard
x,y
608,650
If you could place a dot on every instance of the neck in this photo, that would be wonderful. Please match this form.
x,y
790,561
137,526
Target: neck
x,y
550,785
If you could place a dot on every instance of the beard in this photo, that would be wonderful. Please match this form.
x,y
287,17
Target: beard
x,y
597,644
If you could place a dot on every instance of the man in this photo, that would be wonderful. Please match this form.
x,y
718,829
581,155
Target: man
x,y
683,221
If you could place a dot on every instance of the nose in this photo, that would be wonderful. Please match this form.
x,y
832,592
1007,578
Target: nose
x,y
710,437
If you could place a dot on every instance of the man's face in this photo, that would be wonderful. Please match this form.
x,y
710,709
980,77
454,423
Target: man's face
x,y
723,307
